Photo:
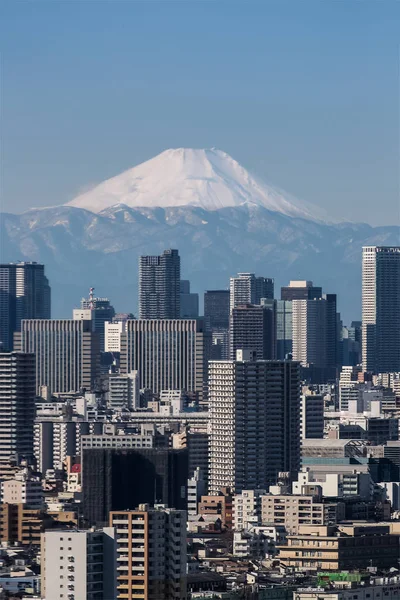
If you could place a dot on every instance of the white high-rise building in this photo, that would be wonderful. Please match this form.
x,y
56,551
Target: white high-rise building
x,y
124,390
112,335
255,422
381,309
246,288
247,509
79,565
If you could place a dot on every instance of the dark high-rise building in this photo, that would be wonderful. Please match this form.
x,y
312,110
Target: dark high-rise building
x,y
381,309
189,301
255,422
301,290
216,309
253,328
24,294
284,327
17,405
159,286
121,479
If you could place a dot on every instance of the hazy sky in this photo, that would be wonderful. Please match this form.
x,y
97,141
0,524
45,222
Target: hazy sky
x,y
304,93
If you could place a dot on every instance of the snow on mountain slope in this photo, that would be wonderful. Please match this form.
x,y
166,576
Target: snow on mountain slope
x,y
209,179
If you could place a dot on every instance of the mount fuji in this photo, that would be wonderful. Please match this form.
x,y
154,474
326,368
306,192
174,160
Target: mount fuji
x,y
221,218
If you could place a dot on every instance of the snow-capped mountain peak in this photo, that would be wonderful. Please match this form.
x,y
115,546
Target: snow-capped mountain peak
x,y
207,178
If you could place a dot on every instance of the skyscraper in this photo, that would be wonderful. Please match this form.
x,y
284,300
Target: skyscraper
x,y
189,301
255,422
216,309
24,294
66,352
17,405
284,329
153,542
168,354
381,308
159,286
253,328
246,288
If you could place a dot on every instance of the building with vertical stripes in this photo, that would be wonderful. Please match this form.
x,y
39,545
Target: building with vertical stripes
x,y
168,354
17,405
66,352
159,286
24,294
381,309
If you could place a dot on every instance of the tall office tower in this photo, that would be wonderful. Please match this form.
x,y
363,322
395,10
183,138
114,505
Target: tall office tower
x,y
17,405
284,329
24,294
79,564
97,310
216,309
66,353
301,290
152,543
253,328
189,301
255,422
159,286
246,288
124,391
315,336
158,475
168,354
381,309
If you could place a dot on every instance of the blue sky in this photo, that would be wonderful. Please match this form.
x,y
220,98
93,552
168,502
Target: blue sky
x,y
304,93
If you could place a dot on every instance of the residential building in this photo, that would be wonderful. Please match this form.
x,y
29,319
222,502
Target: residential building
x,y
247,509
189,301
252,328
196,489
24,294
159,286
17,405
124,390
344,586
312,416
79,564
381,309
151,546
293,511
162,473
24,488
66,353
246,288
255,422
219,504
168,354
342,547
